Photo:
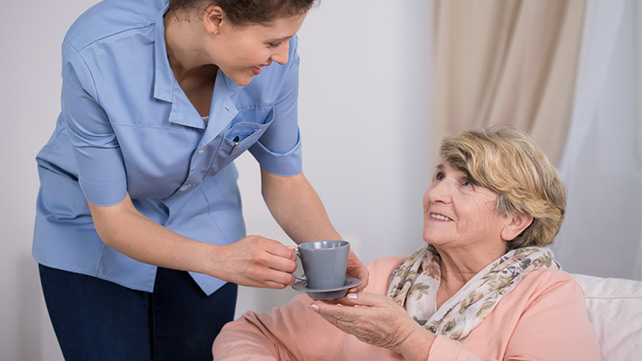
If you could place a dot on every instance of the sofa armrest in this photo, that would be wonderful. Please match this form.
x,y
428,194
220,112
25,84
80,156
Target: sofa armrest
x,y
614,306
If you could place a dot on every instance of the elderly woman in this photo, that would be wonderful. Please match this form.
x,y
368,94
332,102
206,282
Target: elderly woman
x,y
483,287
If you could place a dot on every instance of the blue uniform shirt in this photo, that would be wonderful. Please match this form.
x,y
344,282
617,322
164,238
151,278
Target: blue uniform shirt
x,y
126,126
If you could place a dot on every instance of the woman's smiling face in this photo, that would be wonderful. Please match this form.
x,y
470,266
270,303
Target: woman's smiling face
x,y
459,213
242,51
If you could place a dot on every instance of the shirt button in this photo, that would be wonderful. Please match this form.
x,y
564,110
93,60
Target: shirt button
x,y
186,187
202,149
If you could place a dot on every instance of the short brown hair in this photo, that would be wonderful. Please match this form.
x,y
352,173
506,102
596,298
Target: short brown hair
x,y
508,162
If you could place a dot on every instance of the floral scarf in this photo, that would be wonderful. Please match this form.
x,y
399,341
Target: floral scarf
x,y
414,284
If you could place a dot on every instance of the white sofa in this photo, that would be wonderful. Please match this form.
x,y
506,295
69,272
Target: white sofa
x,y
615,309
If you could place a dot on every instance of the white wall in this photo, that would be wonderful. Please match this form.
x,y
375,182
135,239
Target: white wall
x,y
29,98
363,111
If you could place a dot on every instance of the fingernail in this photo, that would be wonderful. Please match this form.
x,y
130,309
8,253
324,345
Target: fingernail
x,y
314,307
352,296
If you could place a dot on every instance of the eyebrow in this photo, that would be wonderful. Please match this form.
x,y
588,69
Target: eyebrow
x,y
279,39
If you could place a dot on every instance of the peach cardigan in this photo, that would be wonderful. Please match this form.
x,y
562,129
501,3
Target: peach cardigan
x,y
543,318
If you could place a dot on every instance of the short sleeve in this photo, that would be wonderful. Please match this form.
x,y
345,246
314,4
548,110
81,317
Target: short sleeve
x,y
279,149
101,170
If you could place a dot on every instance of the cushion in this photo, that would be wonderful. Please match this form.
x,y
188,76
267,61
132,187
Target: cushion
x,y
615,310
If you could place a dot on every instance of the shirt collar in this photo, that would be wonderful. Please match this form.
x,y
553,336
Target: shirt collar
x,y
165,86
163,76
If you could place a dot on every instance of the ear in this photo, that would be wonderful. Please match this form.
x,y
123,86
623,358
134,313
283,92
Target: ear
x,y
517,223
212,19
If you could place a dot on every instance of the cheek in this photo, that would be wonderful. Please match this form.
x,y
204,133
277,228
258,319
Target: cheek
x,y
255,54
486,219
243,56
243,62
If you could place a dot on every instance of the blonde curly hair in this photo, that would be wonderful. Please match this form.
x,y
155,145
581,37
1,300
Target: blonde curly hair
x,y
508,162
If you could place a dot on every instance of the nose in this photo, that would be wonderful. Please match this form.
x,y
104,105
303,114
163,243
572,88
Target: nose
x,y
281,53
439,191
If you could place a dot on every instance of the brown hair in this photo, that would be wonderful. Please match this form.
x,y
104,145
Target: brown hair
x,y
508,162
244,12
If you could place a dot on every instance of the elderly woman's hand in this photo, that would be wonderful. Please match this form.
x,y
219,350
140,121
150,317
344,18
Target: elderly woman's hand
x,y
377,320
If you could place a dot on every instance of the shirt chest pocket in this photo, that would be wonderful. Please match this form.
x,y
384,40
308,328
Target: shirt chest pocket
x,y
242,134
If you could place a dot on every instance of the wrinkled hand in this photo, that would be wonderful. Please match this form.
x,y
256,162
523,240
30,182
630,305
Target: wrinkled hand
x,y
356,269
379,321
256,261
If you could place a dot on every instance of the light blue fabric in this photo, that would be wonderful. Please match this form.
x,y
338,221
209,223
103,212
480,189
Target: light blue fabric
x,y
127,126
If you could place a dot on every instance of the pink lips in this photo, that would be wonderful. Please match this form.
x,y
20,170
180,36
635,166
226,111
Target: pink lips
x,y
257,69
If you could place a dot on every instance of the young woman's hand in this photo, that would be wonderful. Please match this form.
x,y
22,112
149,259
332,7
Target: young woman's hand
x,y
254,261
356,269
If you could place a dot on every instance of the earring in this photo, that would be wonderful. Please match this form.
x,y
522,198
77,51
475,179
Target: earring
x,y
212,33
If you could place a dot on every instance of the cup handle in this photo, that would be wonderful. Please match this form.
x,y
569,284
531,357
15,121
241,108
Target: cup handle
x,y
302,277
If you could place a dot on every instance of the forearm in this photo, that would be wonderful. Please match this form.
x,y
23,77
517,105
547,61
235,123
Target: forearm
x,y
128,231
290,332
297,208
247,339
251,261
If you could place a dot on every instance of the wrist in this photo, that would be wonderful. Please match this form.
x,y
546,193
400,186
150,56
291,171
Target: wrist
x,y
207,262
416,346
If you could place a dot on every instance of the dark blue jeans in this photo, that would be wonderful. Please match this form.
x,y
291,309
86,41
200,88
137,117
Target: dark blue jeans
x,y
100,320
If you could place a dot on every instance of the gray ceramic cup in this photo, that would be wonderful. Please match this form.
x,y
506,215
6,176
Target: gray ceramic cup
x,y
324,264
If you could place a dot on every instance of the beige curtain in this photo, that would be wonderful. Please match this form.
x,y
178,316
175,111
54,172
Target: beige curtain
x,y
509,62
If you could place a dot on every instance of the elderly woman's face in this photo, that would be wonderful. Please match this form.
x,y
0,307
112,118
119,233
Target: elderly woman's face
x,y
458,213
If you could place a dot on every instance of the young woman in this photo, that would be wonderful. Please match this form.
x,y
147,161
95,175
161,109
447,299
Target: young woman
x,y
137,185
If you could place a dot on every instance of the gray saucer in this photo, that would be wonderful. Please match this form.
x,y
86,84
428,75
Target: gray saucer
x,y
328,294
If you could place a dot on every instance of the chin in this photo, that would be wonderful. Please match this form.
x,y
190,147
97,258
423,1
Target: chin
x,y
426,237
240,78
243,81
434,237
